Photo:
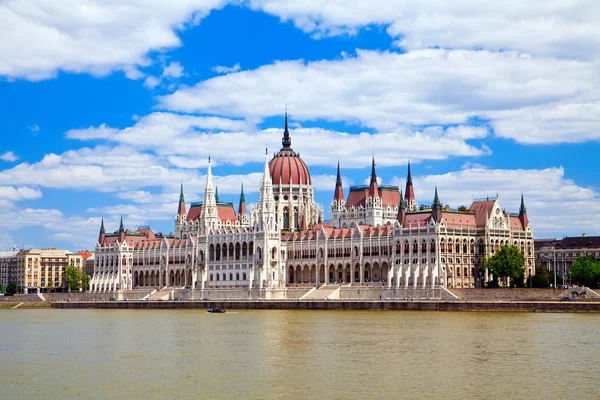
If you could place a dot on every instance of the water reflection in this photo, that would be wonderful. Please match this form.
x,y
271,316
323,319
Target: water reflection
x,y
138,354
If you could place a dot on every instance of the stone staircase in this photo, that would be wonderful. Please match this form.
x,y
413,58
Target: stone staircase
x,y
165,293
331,292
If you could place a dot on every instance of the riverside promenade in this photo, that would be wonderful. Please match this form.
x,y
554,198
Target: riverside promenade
x,y
381,305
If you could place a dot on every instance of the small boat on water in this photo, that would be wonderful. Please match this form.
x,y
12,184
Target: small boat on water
x,y
215,310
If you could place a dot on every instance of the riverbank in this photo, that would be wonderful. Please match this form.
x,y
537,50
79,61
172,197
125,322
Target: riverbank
x,y
23,305
495,306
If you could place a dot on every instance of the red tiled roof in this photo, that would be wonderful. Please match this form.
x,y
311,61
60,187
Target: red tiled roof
x,y
287,167
358,196
458,220
482,210
225,210
515,223
417,219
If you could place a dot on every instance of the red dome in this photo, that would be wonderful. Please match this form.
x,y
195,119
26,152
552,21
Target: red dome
x,y
288,168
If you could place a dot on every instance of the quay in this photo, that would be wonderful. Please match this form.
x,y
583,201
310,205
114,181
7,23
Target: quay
x,y
374,305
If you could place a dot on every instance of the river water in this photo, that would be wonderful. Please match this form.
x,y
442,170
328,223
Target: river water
x,y
168,354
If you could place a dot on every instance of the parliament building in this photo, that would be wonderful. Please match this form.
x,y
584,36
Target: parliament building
x,y
378,236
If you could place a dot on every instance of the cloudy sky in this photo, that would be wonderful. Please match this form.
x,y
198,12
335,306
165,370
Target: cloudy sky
x,y
108,106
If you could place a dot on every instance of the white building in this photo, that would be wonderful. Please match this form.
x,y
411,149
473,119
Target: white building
x,y
376,237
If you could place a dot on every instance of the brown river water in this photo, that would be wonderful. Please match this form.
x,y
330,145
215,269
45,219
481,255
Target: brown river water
x,y
173,354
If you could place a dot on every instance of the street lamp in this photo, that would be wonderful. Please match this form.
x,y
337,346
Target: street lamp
x,y
554,251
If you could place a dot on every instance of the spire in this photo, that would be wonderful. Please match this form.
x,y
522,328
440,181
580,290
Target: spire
x,y
409,193
181,208
401,209
209,176
266,173
216,194
339,190
287,140
242,206
436,200
373,189
121,235
102,234
373,174
436,207
523,214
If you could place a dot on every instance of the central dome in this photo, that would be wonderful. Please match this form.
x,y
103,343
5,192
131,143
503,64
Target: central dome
x,y
287,168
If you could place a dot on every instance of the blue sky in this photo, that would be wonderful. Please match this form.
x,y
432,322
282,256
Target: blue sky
x,y
107,108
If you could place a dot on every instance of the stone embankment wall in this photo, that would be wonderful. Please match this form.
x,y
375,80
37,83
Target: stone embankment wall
x,y
510,306
508,294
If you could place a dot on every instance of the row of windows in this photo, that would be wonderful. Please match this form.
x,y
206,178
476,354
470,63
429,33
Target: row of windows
x,y
223,276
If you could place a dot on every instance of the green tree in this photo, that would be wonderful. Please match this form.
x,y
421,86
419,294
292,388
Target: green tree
x,y
1,288
541,279
12,289
508,264
585,271
75,278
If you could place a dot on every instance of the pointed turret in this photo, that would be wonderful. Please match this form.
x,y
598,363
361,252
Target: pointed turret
x,y
523,213
102,234
181,209
401,210
410,201
242,206
338,195
266,205
373,189
436,207
287,140
121,235
210,213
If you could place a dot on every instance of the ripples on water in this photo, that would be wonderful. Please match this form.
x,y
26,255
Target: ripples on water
x,y
138,354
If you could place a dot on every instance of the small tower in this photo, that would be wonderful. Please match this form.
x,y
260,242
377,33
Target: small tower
x,y
210,213
401,210
410,201
338,197
181,209
241,215
523,213
373,189
102,234
121,235
436,207
266,205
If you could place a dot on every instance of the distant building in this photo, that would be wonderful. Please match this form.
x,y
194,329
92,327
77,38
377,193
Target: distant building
x,y
8,262
377,237
562,252
88,264
42,270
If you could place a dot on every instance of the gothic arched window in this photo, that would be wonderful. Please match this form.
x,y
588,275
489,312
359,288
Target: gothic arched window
x,y
286,218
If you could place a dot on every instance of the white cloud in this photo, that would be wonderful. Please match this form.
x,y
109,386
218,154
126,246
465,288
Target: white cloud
x,y
173,70
556,206
9,156
388,90
553,123
34,128
567,29
185,143
12,193
219,69
151,82
39,37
